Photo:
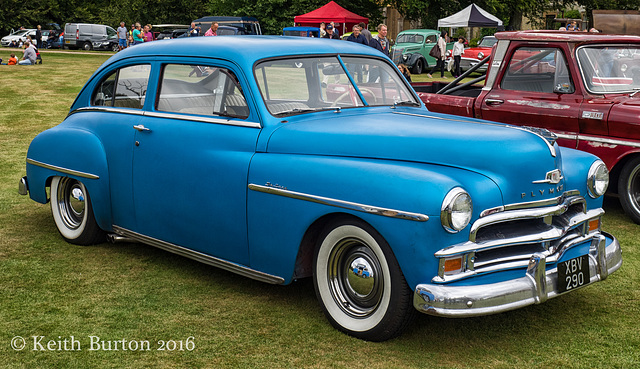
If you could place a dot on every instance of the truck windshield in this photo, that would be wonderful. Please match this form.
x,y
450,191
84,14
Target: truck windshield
x,y
306,84
610,68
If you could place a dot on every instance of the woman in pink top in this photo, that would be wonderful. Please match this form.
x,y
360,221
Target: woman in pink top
x,y
148,36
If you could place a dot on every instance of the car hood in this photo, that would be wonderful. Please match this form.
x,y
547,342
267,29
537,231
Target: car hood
x,y
510,156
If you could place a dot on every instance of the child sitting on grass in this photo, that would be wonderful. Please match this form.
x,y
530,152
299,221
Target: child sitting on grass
x,y
13,60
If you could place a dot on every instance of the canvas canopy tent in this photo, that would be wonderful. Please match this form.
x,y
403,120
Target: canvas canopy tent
x,y
330,12
471,16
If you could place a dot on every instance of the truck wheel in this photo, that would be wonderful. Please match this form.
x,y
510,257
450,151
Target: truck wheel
x,y
73,213
359,284
417,68
629,189
87,46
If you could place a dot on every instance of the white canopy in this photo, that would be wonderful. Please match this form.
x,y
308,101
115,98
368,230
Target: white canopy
x,y
471,16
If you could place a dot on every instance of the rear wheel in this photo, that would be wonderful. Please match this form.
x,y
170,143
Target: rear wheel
x,y
87,46
73,213
629,189
359,283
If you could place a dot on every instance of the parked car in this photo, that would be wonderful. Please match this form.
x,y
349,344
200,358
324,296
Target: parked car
x,y
231,151
412,49
90,37
249,25
474,55
301,31
20,35
581,86
169,31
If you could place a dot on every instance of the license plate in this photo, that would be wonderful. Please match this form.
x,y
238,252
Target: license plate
x,y
573,273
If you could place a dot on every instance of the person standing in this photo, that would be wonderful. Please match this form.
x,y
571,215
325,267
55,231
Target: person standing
x,y
323,29
213,31
357,37
364,31
194,31
137,35
458,50
330,33
122,37
380,41
39,37
442,45
148,36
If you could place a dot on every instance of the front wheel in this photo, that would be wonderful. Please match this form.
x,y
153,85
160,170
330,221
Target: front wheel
x,y
359,284
418,67
73,213
629,189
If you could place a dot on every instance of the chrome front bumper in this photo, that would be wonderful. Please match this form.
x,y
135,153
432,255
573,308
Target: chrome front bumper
x,y
536,286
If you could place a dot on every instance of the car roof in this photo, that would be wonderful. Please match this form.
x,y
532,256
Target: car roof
x,y
566,36
421,31
244,50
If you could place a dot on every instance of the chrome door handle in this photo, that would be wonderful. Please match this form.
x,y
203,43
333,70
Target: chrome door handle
x,y
494,101
141,128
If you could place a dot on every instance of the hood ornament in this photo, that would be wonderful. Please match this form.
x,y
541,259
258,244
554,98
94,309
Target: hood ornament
x,y
553,177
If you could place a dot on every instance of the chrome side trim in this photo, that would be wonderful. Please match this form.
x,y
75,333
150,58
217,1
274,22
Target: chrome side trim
x,y
550,146
108,109
608,141
155,114
199,118
63,170
534,287
198,256
341,203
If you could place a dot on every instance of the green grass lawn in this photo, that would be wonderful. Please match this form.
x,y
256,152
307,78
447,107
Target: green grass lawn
x,y
145,296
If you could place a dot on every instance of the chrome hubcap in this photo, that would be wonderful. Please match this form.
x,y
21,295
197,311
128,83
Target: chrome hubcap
x,y
71,202
354,278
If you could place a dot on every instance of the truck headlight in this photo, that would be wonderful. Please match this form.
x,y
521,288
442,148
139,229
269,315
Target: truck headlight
x,y
456,210
597,179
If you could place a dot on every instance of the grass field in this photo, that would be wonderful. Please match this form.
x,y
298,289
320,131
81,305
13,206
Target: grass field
x,y
133,297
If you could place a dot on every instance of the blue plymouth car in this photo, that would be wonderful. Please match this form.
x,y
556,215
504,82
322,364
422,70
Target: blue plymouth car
x,y
280,159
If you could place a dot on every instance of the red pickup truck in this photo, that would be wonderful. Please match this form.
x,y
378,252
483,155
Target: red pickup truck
x,y
584,87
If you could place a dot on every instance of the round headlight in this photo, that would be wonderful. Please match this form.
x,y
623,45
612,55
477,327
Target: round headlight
x,y
456,210
480,55
598,179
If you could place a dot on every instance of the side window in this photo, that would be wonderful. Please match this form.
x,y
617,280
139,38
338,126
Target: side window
x,y
124,88
432,39
200,89
538,70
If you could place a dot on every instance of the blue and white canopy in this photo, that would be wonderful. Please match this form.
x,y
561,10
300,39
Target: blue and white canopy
x,y
471,16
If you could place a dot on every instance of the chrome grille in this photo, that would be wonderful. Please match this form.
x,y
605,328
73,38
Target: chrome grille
x,y
508,238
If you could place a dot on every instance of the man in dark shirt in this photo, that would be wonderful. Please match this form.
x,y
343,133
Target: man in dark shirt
x,y
357,37
330,34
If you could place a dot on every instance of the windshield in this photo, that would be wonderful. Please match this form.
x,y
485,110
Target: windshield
x,y
300,85
410,39
610,68
488,42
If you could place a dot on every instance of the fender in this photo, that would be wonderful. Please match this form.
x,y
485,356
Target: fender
x,y
413,59
277,219
72,153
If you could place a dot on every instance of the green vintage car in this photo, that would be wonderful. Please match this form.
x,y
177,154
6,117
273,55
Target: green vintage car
x,y
412,49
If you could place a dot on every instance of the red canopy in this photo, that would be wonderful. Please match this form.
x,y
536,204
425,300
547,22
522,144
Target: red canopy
x,y
330,12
